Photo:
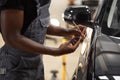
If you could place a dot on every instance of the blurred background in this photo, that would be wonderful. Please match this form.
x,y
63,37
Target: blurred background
x,y
55,64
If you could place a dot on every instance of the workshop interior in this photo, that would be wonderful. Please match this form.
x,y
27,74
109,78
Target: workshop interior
x,y
98,55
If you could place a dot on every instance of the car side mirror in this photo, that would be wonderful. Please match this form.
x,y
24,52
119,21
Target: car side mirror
x,y
77,15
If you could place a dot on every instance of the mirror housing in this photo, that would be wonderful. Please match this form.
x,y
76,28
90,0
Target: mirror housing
x,y
77,15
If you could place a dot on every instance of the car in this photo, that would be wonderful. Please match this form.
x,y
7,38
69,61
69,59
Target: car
x,y
101,59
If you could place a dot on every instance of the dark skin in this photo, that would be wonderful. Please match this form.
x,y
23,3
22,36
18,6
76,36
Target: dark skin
x,y
11,24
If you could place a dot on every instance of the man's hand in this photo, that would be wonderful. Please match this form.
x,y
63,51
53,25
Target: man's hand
x,y
78,31
69,46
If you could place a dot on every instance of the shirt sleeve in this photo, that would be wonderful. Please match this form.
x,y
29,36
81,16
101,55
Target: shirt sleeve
x,y
11,4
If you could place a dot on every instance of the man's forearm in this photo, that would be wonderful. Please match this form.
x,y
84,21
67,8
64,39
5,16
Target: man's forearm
x,y
22,43
57,31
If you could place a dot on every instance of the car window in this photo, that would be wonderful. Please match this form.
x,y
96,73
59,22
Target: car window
x,y
114,15
98,9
